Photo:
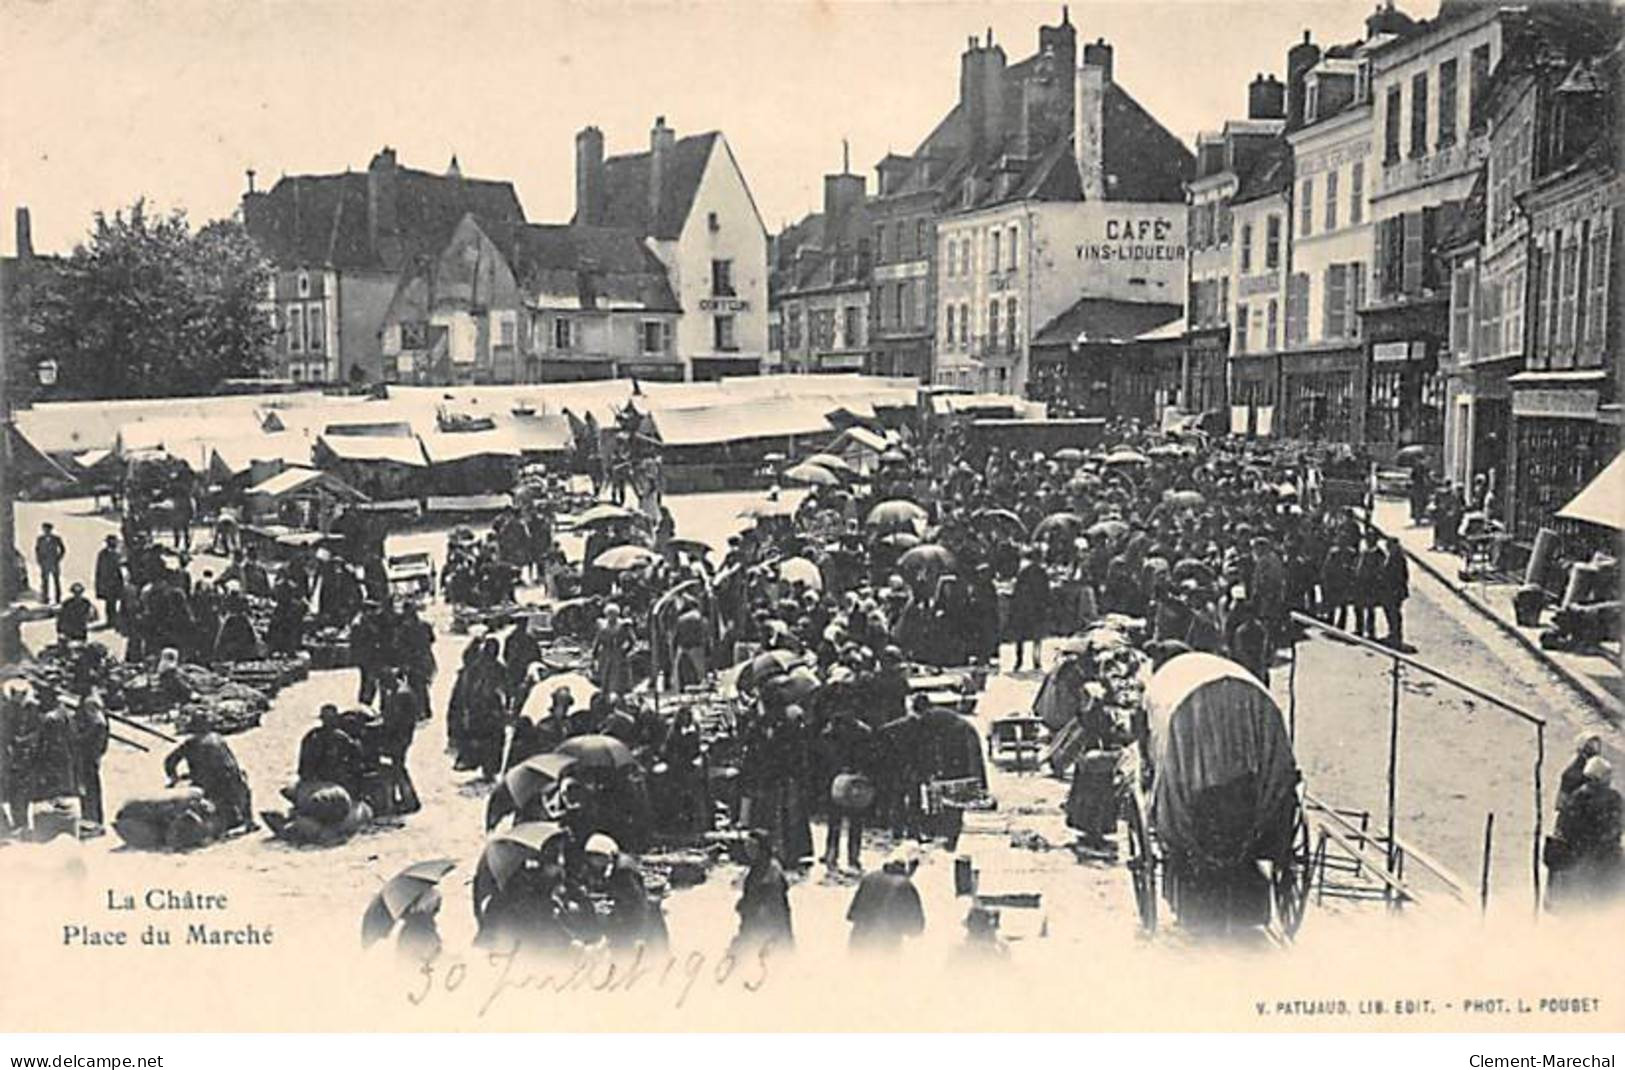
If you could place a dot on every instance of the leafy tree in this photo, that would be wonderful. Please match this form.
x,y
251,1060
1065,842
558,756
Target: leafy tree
x,y
147,307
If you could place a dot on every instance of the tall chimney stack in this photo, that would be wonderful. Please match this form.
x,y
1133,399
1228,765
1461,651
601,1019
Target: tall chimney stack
x,y
662,140
381,204
25,235
1300,60
590,176
1089,118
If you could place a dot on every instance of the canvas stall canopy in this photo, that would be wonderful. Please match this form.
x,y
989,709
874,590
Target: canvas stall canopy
x,y
1225,785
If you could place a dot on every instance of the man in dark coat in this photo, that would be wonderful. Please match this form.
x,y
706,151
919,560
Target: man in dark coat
x,y
90,747
1394,587
330,755
73,617
110,581
414,646
400,721
369,649
886,907
1368,575
1029,609
213,769
49,550
764,901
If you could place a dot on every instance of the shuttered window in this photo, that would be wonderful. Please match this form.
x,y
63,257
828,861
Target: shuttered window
x,y
1336,322
1412,253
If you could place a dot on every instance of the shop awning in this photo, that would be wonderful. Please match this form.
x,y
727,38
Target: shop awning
x,y
1603,500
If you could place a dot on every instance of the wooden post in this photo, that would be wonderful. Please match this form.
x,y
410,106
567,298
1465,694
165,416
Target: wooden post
x,y
1540,806
1292,696
1484,873
1393,760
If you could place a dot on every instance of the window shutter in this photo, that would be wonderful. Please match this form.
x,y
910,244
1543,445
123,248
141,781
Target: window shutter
x,y
1336,301
1356,272
1411,253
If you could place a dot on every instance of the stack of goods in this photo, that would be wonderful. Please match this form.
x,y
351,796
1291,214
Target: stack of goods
x,y
465,618
329,648
198,700
173,820
268,675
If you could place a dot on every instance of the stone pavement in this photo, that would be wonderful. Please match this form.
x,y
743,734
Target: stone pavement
x,y
1595,677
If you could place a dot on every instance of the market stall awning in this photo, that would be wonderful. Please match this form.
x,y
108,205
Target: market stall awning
x,y
1603,499
234,456
295,480
443,447
369,448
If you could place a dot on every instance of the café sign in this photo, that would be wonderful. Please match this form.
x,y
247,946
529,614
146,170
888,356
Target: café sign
x,y
1135,240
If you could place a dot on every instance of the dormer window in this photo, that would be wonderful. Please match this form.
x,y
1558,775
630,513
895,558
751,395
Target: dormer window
x,y
1311,104
304,284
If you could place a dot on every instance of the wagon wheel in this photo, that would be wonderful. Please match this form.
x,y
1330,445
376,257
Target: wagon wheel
x,y
1142,862
1293,874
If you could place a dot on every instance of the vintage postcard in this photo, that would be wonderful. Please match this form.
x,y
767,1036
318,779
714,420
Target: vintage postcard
x,y
811,516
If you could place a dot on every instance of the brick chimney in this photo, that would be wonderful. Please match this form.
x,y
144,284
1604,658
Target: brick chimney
x,y
981,92
25,235
662,142
1300,60
590,176
843,204
1266,98
382,192
1089,122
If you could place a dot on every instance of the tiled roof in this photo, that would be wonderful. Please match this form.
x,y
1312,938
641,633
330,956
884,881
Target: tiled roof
x,y
626,187
602,266
1142,159
322,219
1270,173
1100,319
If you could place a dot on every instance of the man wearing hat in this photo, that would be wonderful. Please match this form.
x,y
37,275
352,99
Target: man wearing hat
x,y
49,550
73,617
110,581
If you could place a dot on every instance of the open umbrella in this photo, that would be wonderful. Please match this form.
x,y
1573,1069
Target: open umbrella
x,y
899,514
1410,453
813,475
835,464
900,540
894,457
597,752
1125,458
801,570
1184,499
1106,529
508,850
605,513
795,685
1066,524
1069,453
1001,518
692,547
621,558
927,557
534,775
751,674
540,699
399,895
768,508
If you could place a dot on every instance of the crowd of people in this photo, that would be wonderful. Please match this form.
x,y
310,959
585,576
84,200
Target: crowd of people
x,y
818,617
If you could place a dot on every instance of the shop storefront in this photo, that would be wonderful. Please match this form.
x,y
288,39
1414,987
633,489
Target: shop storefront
x,y
1322,395
1204,372
710,369
1560,442
1405,390
1255,394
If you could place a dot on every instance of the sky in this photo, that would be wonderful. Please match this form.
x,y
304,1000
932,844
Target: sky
x,y
104,101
